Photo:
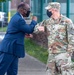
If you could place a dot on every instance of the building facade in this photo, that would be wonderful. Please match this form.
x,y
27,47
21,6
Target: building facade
x,y
14,3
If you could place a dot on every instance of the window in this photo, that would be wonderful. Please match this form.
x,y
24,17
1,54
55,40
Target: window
x,y
72,10
61,1
72,1
47,1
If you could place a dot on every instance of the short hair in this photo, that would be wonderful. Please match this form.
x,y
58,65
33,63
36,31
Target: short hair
x,y
21,5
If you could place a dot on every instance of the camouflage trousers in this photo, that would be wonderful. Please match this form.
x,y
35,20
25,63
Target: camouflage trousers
x,y
60,64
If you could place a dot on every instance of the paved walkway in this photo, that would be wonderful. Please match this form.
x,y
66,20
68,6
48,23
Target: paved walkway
x,y
31,66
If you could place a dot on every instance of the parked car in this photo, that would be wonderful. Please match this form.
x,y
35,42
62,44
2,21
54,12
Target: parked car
x,y
3,19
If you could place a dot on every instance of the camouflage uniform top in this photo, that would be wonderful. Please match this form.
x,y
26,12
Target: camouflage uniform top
x,y
60,34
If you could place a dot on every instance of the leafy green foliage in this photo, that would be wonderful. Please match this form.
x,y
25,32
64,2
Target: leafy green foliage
x,y
4,0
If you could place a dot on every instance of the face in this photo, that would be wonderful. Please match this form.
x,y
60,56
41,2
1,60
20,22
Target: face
x,y
26,11
51,12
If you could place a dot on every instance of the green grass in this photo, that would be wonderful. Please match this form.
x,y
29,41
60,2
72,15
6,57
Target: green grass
x,y
13,12
36,51
3,29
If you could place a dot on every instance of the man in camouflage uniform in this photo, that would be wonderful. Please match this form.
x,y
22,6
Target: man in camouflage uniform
x,y
60,34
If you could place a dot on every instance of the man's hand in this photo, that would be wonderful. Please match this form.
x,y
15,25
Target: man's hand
x,y
41,28
34,18
28,35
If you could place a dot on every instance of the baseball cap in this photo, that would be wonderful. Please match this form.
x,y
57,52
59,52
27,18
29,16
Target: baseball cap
x,y
55,5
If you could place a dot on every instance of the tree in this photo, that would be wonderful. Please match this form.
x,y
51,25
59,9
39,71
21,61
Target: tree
x,y
3,0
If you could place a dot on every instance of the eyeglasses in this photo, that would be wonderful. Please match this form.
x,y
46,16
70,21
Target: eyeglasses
x,y
26,9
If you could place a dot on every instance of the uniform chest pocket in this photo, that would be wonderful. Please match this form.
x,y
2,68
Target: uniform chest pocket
x,y
58,31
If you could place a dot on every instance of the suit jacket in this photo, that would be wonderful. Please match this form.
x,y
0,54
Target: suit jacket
x,y
13,42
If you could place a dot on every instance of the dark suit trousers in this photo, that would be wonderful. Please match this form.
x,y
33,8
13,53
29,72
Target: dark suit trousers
x,y
8,63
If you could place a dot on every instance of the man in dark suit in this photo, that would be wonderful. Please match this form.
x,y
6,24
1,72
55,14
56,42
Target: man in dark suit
x,y
12,46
